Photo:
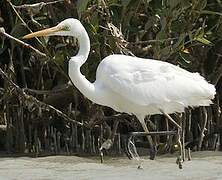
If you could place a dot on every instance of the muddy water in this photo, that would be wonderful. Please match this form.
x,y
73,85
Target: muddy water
x,y
204,166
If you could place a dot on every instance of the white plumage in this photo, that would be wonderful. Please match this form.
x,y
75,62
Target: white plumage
x,y
144,86
130,84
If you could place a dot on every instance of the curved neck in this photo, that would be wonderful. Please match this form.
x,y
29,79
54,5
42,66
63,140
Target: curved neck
x,y
84,48
81,83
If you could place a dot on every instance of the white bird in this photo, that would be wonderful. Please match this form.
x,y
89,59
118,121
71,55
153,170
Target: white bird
x,y
130,84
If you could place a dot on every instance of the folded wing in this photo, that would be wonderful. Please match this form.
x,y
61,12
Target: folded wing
x,y
145,81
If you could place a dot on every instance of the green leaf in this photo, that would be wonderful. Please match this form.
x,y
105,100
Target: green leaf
x,y
81,6
180,41
203,40
125,2
209,12
185,59
165,52
173,3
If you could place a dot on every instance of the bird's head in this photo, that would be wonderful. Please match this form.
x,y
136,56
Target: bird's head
x,y
68,27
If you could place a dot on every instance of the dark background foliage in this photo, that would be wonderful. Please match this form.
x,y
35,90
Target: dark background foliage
x,y
182,32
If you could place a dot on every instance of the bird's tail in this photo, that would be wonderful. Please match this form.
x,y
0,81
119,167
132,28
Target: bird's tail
x,y
209,90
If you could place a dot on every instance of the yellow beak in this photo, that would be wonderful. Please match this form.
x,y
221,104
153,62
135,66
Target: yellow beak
x,y
44,32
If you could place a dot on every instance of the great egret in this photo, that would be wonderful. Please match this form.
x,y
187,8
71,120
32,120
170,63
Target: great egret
x,y
130,84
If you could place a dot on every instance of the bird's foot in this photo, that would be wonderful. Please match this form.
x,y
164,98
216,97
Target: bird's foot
x,y
131,149
101,155
179,162
140,167
106,145
153,152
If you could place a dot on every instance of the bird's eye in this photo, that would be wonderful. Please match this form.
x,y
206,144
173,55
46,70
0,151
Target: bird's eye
x,y
65,28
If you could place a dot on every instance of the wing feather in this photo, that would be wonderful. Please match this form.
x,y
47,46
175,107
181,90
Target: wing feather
x,y
145,81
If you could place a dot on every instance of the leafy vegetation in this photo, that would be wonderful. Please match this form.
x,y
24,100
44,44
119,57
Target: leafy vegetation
x,y
182,32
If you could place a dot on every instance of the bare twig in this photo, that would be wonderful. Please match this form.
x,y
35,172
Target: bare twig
x,y
120,41
215,76
203,112
2,31
34,9
16,12
153,41
32,103
37,5
48,92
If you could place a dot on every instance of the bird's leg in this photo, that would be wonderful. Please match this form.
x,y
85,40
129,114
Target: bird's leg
x,y
179,158
150,140
171,119
179,133
109,142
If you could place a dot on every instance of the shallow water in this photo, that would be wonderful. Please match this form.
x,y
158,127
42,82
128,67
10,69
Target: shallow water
x,y
204,166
